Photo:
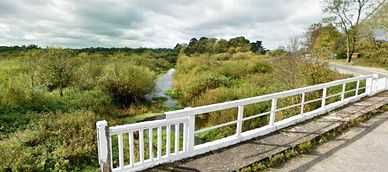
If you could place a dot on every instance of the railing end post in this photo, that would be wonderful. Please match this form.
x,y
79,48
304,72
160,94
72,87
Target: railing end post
x,y
101,123
103,146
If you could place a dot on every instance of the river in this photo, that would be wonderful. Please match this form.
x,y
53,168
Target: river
x,y
162,84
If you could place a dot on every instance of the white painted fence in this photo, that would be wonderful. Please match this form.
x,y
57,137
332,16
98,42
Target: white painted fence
x,y
174,136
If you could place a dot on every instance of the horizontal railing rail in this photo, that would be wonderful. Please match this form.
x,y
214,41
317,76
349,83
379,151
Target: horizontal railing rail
x,y
142,145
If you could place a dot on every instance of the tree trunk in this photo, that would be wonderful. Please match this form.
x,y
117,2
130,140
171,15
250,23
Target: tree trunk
x,y
348,55
61,91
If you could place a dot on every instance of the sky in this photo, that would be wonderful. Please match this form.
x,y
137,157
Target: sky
x,y
151,23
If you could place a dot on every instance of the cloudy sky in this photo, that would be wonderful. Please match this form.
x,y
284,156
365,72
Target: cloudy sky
x,y
151,23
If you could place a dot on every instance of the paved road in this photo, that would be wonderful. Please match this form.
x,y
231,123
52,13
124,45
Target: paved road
x,y
356,70
362,148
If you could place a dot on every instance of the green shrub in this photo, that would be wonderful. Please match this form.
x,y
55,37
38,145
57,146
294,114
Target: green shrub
x,y
53,142
127,83
202,84
232,69
88,75
13,94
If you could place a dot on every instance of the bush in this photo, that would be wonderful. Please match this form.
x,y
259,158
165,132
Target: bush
x,y
127,83
202,84
53,142
14,93
233,69
88,75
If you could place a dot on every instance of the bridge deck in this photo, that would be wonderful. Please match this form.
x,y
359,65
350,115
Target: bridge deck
x,y
246,153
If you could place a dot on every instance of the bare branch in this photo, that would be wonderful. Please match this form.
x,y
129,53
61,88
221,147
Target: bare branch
x,y
379,4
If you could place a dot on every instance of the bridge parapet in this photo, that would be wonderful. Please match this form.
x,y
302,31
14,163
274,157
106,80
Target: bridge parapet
x,y
175,135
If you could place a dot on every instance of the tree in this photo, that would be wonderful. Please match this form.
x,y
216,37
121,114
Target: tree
x,y
179,47
288,67
257,47
347,15
221,46
311,36
213,46
294,45
328,41
57,69
240,44
192,47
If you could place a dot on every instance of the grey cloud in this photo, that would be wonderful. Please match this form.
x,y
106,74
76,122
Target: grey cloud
x,y
151,23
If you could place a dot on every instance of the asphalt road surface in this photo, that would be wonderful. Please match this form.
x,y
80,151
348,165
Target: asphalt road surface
x,y
356,70
363,148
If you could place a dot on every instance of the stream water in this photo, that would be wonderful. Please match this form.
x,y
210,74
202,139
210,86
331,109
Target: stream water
x,y
164,83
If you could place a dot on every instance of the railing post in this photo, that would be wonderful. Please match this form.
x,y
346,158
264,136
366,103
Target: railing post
x,y
357,87
302,104
368,86
375,83
273,112
240,115
103,146
324,92
371,83
386,82
343,92
190,133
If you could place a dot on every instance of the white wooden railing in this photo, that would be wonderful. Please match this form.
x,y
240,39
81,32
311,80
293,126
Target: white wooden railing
x,y
124,147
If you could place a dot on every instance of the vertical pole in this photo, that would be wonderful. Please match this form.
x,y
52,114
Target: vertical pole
x,y
375,83
343,92
386,82
159,144
273,112
190,133
240,115
103,146
176,139
121,150
150,144
131,149
357,87
185,128
141,145
168,140
368,89
302,104
324,92
372,84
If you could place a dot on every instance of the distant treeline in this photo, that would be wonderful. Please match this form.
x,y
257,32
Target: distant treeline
x,y
214,46
18,48
101,50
